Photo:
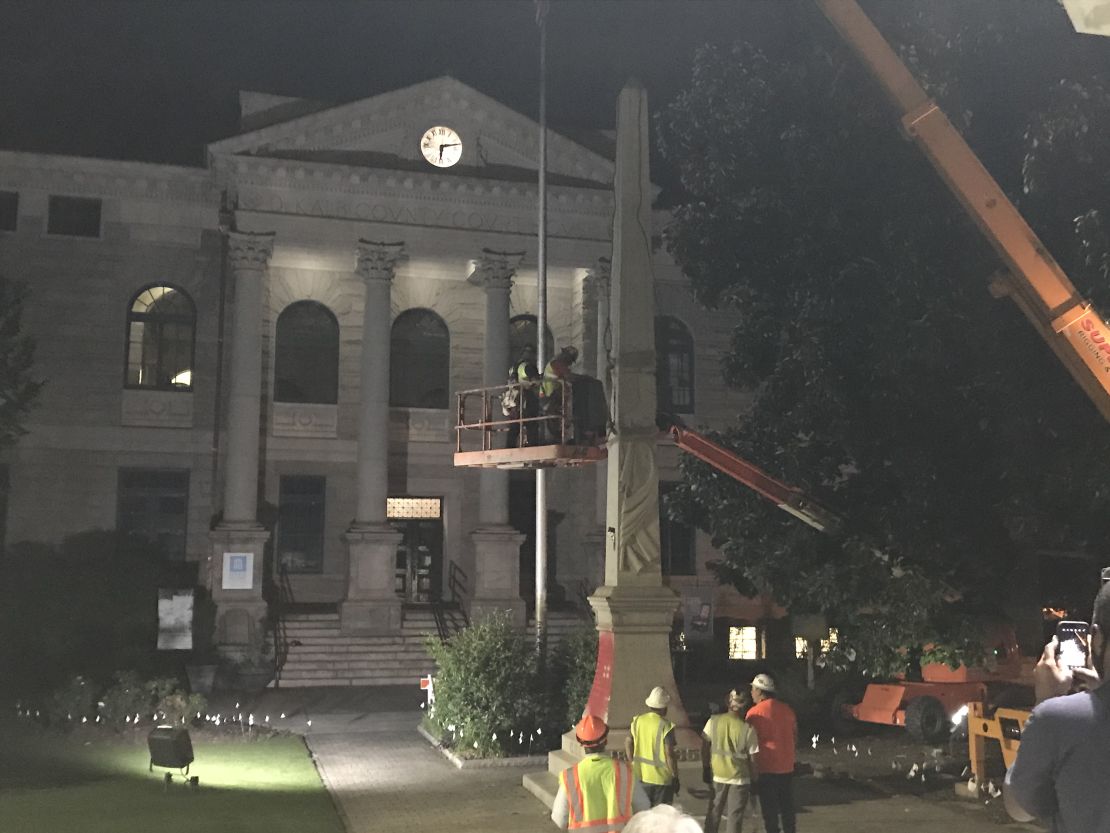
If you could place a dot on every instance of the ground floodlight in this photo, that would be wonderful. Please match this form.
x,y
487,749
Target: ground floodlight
x,y
170,747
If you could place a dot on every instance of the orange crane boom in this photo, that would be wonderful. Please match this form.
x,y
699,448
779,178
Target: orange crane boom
x,y
787,498
1036,283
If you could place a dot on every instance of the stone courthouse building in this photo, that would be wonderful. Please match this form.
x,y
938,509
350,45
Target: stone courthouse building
x,y
254,362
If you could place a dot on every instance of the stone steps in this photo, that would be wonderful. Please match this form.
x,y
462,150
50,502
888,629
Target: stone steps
x,y
319,654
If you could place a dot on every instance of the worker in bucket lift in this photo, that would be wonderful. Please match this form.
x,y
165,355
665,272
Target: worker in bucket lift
x,y
557,376
650,746
599,793
526,402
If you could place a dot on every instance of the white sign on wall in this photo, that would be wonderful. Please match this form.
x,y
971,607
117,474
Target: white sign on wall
x,y
175,620
238,570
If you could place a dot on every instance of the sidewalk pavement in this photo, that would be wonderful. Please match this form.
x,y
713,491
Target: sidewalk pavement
x,y
385,778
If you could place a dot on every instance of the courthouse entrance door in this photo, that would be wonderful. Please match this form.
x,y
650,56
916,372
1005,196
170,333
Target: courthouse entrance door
x,y
419,565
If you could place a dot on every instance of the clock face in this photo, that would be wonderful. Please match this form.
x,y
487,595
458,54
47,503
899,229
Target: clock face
x,y
441,146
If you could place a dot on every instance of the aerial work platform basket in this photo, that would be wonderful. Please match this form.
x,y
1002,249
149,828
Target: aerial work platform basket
x,y
538,432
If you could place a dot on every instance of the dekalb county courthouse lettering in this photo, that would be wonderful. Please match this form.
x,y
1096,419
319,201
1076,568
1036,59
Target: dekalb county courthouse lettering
x,y
260,356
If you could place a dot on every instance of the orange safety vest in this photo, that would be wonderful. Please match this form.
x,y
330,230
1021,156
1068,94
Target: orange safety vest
x,y
599,794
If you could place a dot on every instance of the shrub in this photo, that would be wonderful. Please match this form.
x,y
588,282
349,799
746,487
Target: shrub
x,y
179,707
573,664
487,690
71,702
126,698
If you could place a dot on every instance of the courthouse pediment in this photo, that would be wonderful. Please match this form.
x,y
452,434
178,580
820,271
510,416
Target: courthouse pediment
x,y
384,131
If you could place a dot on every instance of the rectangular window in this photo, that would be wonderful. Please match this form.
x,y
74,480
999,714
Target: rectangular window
x,y
74,216
676,540
300,531
743,642
154,504
9,210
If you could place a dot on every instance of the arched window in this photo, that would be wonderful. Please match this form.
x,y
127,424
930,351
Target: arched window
x,y
674,366
161,324
522,331
419,361
306,355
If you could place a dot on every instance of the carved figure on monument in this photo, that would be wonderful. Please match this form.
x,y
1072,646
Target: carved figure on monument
x,y
638,530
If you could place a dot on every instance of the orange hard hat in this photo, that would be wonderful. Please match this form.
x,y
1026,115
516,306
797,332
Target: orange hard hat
x,y
590,729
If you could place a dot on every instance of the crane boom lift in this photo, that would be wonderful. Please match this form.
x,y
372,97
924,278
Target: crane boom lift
x,y
787,498
1036,283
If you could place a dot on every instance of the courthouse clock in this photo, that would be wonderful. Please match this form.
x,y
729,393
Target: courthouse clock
x,y
441,146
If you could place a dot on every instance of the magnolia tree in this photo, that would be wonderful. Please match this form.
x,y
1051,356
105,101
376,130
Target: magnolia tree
x,y
884,379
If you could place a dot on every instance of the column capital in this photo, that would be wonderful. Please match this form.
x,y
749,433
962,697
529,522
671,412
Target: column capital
x,y
601,272
249,250
378,261
495,270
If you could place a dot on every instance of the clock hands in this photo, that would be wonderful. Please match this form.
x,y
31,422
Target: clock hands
x,y
447,145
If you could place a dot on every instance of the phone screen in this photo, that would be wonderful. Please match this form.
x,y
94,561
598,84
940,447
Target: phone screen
x,y
1073,639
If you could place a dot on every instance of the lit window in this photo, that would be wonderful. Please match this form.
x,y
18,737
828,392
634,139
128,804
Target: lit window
x,y
306,355
827,644
161,322
404,508
743,642
801,647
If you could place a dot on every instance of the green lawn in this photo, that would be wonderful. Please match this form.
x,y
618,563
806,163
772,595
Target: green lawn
x,y
95,782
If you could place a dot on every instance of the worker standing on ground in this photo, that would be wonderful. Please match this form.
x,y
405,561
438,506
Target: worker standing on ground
x,y
650,747
556,382
728,747
599,793
777,729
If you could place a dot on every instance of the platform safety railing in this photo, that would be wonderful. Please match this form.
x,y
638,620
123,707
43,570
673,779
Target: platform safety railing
x,y
554,428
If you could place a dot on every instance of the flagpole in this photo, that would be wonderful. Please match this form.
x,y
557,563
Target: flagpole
x,y
541,345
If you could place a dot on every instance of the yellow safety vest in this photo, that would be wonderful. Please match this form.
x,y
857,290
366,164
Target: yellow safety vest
x,y
599,794
649,734
550,382
728,739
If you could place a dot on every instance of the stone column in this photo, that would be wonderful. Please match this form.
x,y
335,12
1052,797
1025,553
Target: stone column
x,y
238,541
496,544
371,604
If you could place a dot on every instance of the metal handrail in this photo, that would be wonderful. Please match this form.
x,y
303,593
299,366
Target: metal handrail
x,y
282,602
488,425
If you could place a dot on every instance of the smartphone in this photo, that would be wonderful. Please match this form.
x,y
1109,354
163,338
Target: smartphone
x,y
1074,643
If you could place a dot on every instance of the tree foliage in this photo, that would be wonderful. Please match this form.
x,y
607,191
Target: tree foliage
x,y
18,388
884,378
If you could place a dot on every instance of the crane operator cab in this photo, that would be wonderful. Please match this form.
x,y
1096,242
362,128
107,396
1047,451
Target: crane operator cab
x,y
557,418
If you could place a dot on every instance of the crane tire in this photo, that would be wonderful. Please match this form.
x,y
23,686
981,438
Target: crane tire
x,y
927,720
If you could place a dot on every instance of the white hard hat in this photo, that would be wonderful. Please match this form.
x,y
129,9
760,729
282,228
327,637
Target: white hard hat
x,y
658,699
763,683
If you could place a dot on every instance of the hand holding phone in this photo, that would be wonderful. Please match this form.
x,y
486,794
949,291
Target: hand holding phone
x,y
1074,639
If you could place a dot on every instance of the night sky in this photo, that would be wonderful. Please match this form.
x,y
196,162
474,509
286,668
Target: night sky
x,y
156,81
